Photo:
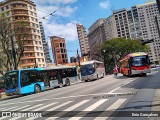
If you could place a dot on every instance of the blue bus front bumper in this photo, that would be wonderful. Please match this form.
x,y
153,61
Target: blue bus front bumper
x,y
15,91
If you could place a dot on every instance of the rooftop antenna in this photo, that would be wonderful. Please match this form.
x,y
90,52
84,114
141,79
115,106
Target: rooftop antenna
x,y
113,8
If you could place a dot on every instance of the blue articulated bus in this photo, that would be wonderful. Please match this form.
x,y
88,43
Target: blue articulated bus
x,y
34,80
24,81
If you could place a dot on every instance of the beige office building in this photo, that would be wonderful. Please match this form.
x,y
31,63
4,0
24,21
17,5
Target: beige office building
x,y
25,10
147,13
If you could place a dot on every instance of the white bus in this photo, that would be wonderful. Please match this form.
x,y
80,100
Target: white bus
x,y
92,70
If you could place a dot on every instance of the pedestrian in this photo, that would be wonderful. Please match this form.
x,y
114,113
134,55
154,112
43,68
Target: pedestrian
x,y
115,71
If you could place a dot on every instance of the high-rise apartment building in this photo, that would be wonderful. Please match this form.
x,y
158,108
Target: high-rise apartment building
x,y
83,39
96,34
110,28
121,21
134,23
59,50
25,10
147,13
45,44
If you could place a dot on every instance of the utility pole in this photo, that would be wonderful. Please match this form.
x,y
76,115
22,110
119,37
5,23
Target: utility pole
x,y
79,65
14,54
55,55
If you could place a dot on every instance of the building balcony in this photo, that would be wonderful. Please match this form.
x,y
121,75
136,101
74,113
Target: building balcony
x,y
28,45
20,13
15,20
28,57
19,7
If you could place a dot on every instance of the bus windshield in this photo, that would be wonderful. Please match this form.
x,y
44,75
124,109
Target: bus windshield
x,y
140,61
87,69
11,80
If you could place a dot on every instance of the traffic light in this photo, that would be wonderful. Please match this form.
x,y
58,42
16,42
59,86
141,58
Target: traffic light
x,y
158,4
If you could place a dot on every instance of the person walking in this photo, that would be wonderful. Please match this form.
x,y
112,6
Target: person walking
x,y
115,71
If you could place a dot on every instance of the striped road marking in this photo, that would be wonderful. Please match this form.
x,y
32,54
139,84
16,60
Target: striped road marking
x,y
15,118
90,108
20,108
31,118
69,109
113,107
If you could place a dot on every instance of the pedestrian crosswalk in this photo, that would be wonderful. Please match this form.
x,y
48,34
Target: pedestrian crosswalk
x,y
80,106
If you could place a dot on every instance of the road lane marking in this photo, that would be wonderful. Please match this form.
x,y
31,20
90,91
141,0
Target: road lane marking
x,y
9,108
114,90
20,108
45,106
2,108
32,107
90,108
69,109
113,107
16,110
31,118
59,106
15,118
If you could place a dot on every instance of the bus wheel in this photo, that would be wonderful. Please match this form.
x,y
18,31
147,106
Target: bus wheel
x,y
37,89
68,82
144,74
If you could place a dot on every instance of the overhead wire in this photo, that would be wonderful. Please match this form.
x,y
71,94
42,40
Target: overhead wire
x,y
60,8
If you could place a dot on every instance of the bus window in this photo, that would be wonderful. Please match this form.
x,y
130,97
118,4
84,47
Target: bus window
x,y
11,80
24,79
29,77
71,72
52,75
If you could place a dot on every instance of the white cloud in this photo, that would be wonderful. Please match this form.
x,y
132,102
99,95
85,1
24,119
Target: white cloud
x,y
67,31
50,25
104,4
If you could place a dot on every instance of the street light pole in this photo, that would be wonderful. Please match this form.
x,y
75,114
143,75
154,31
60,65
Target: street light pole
x,y
104,60
14,54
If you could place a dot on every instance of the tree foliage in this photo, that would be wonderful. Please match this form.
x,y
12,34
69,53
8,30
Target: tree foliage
x,y
117,48
20,32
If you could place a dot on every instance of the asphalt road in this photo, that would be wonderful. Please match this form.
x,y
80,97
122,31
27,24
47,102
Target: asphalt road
x,y
103,97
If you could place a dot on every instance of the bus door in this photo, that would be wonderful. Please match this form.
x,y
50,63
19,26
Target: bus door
x,y
25,82
45,78
125,67
59,76
53,78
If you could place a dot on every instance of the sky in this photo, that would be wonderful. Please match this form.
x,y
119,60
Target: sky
x,y
86,12
62,23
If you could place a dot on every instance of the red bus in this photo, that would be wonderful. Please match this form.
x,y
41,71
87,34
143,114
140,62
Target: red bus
x,y
135,63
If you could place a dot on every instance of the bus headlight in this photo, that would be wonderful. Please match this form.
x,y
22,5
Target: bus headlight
x,y
18,91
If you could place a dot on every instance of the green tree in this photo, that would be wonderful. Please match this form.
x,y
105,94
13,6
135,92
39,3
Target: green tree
x,y
117,48
20,31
